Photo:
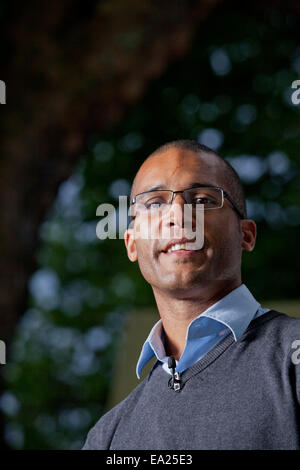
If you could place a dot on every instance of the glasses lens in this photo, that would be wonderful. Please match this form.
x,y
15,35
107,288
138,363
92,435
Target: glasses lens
x,y
153,200
211,198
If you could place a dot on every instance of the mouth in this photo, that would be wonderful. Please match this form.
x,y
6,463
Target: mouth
x,y
181,247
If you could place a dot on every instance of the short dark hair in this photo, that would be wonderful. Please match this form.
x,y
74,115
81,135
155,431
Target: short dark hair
x,y
232,178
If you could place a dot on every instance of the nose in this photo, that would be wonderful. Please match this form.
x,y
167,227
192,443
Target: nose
x,y
177,210
178,195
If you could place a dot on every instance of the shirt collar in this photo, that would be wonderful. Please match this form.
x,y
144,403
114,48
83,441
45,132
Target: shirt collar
x,y
235,310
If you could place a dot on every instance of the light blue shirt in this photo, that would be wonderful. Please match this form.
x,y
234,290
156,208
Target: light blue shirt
x,y
232,313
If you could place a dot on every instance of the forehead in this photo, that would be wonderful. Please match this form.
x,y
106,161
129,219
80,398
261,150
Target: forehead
x,y
177,168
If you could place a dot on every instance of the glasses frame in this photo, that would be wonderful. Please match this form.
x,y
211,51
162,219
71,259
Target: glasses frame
x,y
224,194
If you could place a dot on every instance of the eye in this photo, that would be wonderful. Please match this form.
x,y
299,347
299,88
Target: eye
x,y
204,200
154,204
209,197
201,200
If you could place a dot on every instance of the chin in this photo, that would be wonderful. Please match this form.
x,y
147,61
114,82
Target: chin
x,y
184,285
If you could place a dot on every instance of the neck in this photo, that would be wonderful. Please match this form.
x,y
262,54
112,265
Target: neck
x,y
178,311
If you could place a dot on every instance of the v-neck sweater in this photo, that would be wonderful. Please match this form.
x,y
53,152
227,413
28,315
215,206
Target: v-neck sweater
x,y
242,394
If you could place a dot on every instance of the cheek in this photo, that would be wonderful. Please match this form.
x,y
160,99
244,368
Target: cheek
x,y
144,252
147,236
223,233
147,227
232,244
147,260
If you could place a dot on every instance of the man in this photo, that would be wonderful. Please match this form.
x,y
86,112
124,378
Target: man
x,y
226,375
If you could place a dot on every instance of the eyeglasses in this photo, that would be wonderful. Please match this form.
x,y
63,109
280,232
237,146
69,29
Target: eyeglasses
x,y
212,197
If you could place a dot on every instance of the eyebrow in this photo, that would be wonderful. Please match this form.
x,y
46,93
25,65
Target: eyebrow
x,y
192,185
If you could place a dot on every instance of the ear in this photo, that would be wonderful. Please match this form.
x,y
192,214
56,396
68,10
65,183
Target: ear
x,y
130,244
249,234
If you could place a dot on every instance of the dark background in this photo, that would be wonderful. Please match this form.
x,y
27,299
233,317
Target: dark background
x,y
92,89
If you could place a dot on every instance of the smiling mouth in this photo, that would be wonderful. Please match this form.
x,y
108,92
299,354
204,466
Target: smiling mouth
x,y
181,249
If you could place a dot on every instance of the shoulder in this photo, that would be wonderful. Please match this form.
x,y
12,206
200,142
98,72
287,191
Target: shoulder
x,y
289,344
273,333
278,323
273,344
288,334
100,435
286,325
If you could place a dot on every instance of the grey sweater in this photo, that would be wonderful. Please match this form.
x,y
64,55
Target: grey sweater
x,y
242,394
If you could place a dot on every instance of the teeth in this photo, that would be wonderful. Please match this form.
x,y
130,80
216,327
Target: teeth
x,y
178,246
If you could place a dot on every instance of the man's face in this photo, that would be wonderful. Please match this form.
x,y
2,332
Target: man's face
x,y
220,257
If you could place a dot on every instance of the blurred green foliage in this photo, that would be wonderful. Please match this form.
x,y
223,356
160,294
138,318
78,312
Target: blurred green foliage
x,y
232,91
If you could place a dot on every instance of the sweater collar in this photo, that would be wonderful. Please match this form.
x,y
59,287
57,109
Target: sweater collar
x,y
235,311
